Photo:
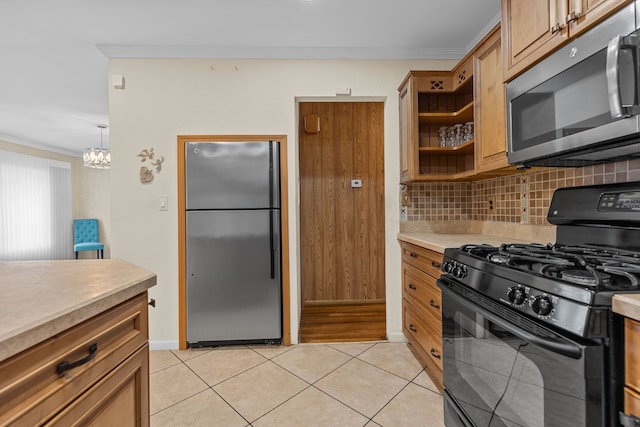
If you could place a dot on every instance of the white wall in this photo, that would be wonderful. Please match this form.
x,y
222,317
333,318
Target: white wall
x,y
94,201
166,98
91,196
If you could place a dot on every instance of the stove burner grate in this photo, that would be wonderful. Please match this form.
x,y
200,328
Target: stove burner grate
x,y
586,277
593,267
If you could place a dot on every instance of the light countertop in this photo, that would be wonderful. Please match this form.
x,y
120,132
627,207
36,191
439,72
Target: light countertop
x,y
440,241
39,299
628,305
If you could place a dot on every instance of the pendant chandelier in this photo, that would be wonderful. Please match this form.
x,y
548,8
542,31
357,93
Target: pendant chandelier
x,y
97,158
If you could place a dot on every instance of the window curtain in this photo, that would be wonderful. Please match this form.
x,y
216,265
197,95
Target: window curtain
x,y
35,208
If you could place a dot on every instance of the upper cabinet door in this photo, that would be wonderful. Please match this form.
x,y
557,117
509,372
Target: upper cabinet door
x,y
533,29
530,30
584,14
407,132
489,104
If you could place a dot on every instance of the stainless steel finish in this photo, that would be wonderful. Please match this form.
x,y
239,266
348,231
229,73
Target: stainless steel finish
x,y
231,175
231,294
586,45
616,106
613,52
561,145
618,129
233,242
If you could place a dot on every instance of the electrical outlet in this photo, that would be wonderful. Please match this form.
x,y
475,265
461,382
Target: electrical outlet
x,y
491,203
405,199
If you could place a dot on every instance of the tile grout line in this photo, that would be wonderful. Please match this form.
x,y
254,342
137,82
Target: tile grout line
x,y
210,387
390,400
312,385
309,384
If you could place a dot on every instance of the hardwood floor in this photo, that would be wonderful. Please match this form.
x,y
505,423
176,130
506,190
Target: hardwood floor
x,y
343,322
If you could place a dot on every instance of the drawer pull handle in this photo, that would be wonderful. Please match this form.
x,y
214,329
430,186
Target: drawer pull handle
x,y
412,286
435,354
152,302
433,304
435,264
413,328
413,255
65,366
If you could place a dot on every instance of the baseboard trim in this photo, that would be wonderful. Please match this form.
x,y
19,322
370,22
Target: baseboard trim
x,y
396,337
163,345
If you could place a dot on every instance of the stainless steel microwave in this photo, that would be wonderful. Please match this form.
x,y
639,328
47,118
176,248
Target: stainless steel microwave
x,y
580,105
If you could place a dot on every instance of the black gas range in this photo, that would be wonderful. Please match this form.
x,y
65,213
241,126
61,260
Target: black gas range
x,y
545,311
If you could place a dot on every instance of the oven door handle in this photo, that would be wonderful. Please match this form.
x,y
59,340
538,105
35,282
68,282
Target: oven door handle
x,y
565,348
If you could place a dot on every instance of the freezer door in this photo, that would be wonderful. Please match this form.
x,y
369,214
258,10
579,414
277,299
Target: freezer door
x,y
232,175
233,276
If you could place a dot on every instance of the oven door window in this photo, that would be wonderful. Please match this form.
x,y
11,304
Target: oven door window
x,y
499,379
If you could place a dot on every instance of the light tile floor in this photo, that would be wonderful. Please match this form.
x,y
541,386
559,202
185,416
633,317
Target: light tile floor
x,y
343,384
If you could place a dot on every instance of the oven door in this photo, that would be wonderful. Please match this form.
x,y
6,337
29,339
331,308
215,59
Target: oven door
x,y
499,374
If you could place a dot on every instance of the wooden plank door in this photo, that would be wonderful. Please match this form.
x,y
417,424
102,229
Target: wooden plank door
x,y
342,227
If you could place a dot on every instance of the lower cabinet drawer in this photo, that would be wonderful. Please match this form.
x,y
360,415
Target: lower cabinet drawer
x,y
421,333
423,259
119,399
37,383
423,293
631,402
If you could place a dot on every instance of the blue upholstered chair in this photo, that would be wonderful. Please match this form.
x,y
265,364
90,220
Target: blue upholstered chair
x,y
85,237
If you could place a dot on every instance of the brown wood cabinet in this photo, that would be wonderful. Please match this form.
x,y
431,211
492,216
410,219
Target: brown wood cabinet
x,y
109,384
429,101
632,367
472,92
532,29
421,307
489,104
408,160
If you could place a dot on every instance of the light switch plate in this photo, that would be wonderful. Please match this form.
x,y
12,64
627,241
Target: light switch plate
x,y
164,203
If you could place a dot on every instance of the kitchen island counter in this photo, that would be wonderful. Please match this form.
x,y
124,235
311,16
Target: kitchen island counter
x,y
39,299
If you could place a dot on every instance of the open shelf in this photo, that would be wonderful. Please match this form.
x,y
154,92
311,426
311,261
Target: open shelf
x,y
464,114
466,148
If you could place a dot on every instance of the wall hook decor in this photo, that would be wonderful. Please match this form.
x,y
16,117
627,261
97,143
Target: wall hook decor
x,y
146,174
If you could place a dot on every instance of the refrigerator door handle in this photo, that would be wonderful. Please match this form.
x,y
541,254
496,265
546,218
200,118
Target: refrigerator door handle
x,y
270,174
274,174
272,250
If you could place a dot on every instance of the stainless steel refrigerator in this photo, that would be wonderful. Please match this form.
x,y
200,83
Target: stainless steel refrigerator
x,y
233,243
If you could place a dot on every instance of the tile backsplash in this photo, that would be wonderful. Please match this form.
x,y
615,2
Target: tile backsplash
x,y
520,198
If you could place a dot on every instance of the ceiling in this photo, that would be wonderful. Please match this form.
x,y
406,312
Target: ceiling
x,y
54,54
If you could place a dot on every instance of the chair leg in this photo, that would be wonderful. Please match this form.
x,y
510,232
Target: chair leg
x,y
76,254
101,253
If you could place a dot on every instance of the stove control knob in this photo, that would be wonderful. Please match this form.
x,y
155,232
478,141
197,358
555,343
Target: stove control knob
x,y
542,305
459,271
516,295
447,267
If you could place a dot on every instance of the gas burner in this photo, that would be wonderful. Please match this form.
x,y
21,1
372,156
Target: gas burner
x,y
586,277
630,271
498,258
